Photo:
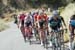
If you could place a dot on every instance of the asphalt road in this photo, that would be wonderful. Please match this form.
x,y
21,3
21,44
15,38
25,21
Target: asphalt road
x,y
11,39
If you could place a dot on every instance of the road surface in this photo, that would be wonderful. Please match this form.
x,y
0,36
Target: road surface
x,y
11,39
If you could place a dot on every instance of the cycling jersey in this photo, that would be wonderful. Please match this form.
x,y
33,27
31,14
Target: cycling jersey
x,y
21,18
42,20
72,23
43,17
28,20
35,17
55,24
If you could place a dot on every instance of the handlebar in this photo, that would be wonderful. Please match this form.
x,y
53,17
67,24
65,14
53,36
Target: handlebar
x,y
61,30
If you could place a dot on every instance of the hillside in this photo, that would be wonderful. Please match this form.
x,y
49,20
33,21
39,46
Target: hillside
x,y
68,11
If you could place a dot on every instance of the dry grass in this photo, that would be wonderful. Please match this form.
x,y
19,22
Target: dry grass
x,y
3,26
67,13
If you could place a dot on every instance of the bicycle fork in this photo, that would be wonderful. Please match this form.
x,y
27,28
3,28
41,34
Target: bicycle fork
x,y
71,43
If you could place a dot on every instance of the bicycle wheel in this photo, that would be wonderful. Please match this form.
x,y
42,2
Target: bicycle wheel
x,y
23,32
28,34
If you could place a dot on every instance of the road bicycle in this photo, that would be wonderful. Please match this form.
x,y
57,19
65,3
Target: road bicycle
x,y
57,39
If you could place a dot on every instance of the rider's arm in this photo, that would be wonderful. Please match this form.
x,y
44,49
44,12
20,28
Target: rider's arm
x,y
31,19
18,18
63,21
50,21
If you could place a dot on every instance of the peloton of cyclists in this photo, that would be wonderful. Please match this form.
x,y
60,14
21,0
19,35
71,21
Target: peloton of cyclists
x,y
21,20
40,21
72,32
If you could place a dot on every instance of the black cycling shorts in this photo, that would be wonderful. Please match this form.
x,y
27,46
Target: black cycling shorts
x,y
56,27
72,31
22,22
28,23
41,23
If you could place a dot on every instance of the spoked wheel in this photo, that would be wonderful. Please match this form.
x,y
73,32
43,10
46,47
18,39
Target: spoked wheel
x,y
23,32
55,45
29,39
28,34
25,38
72,43
36,35
45,43
56,42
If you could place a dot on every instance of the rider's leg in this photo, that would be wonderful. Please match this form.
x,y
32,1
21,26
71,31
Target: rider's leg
x,y
41,36
23,32
71,32
71,36
36,32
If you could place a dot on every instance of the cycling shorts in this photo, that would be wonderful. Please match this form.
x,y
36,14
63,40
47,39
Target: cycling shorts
x,y
22,22
28,23
56,27
73,28
41,23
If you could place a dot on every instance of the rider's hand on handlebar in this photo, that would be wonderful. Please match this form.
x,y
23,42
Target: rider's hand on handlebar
x,y
18,26
66,30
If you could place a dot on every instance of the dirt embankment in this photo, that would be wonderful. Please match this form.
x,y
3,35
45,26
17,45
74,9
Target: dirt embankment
x,y
66,13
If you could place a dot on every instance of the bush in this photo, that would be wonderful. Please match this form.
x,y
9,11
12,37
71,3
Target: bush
x,y
3,26
60,9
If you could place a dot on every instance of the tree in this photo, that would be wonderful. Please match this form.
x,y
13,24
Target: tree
x,y
1,8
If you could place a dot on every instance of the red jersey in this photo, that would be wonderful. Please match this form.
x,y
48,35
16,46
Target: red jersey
x,y
22,16
35,17
42,17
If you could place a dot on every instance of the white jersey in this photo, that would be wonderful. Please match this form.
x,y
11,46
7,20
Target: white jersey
x,y
28,18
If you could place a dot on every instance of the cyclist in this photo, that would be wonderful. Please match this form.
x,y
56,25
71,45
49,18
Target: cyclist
x,y
28,26
42,20
56,20
72,28
15,17
35,17
31,14
36,25
55,23
21,20
72,25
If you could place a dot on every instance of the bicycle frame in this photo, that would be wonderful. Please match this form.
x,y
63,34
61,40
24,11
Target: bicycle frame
x,y
72,43
57,39
43,37
28,34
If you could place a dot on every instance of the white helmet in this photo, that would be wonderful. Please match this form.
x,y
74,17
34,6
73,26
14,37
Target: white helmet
x,y
55,12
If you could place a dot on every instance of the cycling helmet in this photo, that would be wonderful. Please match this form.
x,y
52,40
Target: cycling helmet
x,y
55,13
72,22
